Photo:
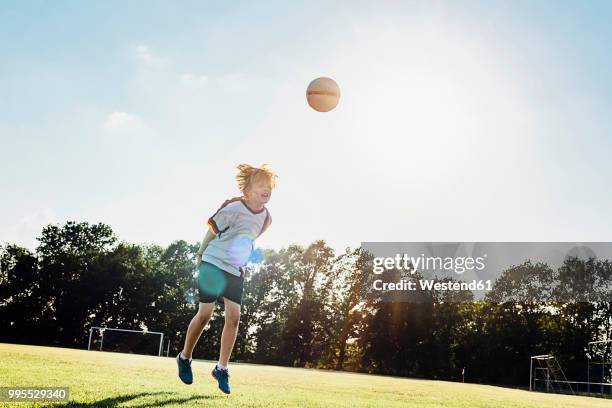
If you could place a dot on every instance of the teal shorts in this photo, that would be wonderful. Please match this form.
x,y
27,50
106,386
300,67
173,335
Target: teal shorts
x,y
214,284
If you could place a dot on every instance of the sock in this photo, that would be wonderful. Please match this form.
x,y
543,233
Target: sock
x,y
182,356
221,366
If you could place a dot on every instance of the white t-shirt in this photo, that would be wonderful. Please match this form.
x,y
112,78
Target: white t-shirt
x,y
236,227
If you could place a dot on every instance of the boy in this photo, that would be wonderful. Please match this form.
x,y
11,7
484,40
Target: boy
x,y
221,259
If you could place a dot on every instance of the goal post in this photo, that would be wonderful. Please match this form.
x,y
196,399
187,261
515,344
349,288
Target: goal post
x,y
545,373
101,330
599,363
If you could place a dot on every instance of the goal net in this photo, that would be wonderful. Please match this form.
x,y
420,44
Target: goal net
x,y
125,341
599,355
547,375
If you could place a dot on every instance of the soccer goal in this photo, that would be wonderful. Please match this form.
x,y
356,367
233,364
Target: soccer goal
x,y
599,374
547,375
127,341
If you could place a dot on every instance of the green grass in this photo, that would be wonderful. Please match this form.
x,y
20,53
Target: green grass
x,y
99,379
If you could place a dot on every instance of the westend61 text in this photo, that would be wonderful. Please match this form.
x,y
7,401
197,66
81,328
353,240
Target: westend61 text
x,y
429,284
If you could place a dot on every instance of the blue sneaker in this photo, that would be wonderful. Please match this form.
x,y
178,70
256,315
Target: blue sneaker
x,y
184,370
222,377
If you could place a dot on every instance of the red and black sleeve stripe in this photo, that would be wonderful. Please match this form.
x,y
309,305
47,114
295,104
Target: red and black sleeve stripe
x,y
211,222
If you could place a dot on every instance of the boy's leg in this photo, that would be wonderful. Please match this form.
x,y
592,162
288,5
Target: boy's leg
x,y
230,330
228,337
196,326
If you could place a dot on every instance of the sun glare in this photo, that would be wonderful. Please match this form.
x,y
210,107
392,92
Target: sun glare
x,y
428,99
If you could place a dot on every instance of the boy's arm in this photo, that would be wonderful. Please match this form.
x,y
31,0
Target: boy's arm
x,y
210,235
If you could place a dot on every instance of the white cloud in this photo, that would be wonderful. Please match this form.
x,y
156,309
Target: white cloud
x,y
145,55
37,220
25,231
122,121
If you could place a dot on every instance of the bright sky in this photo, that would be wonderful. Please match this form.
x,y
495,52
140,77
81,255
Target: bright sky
x,y
459,121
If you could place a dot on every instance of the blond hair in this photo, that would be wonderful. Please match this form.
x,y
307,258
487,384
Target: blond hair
x,y
248,174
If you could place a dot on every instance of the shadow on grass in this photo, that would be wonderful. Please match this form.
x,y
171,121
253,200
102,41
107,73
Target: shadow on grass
x,y
112,402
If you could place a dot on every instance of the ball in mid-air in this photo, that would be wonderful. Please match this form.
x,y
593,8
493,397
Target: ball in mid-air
x,y
323,94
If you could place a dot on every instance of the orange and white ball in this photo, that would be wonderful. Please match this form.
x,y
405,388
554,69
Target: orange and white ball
x,y
323,94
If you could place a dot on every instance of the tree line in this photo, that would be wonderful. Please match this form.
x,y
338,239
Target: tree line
x,y
303,306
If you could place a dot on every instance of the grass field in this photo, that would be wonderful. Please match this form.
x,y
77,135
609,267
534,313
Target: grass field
x,y
99,379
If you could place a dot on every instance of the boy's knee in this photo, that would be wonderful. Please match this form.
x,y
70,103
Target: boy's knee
x,y
204,316
203,320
